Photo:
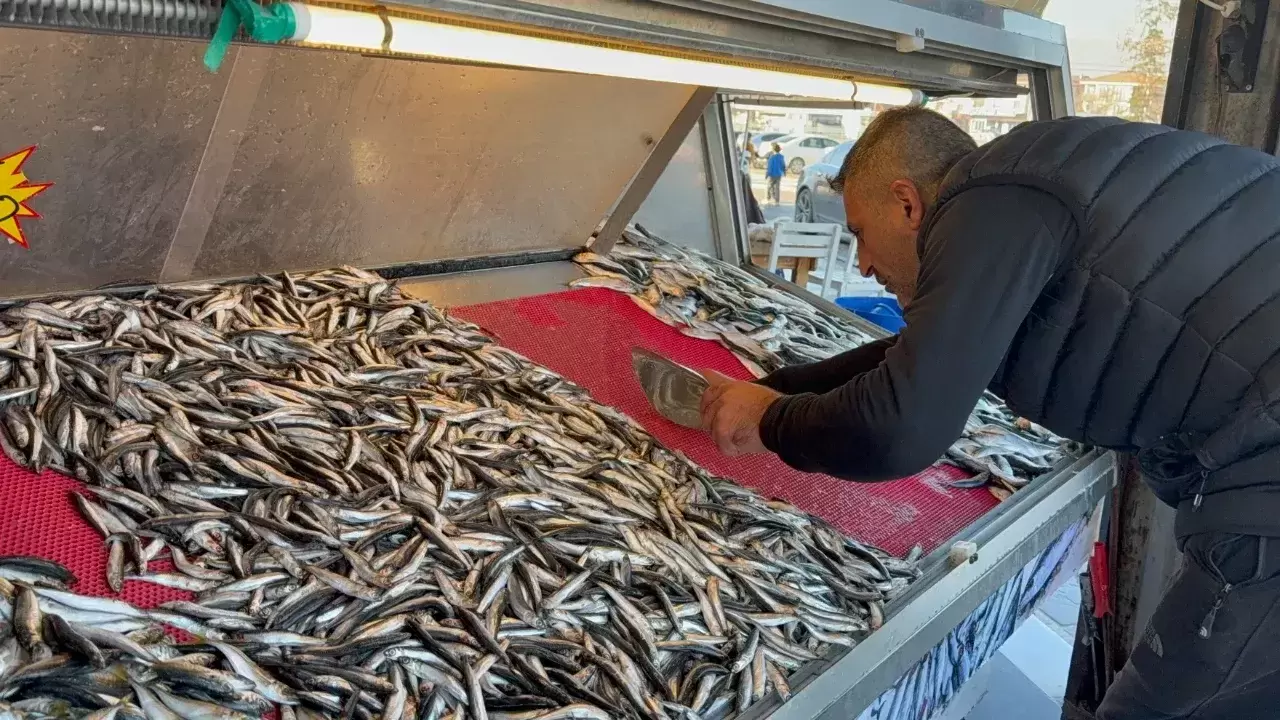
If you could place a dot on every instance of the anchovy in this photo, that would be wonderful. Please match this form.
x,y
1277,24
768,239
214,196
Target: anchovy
x,y
267,686
383,513
767,329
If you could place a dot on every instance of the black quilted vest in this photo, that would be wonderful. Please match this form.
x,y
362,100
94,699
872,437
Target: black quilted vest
x,y
1160,330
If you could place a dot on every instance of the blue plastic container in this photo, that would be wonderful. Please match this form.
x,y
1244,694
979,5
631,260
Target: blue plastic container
x,y
883,311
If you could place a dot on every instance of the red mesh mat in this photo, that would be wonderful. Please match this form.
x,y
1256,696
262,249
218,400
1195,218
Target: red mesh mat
x,y
38,518
587,335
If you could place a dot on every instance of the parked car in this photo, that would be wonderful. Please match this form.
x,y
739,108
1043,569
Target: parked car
x,y
815,200
763,143
803,150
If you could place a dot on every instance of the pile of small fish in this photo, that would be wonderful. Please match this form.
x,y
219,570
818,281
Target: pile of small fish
x,y
69,655
382,513
1005,451
705,298
766,329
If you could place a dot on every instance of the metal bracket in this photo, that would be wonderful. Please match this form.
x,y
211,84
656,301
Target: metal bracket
x,y
1240,44
962,552
910,43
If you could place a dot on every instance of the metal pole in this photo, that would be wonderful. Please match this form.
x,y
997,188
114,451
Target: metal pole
x,y
721,167
741,251
1051,93
645,178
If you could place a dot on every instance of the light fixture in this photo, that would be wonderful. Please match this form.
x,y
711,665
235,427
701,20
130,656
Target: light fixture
x,y
316,25
874,94
324,26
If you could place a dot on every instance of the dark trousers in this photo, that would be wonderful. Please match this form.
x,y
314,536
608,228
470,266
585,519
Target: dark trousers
x,y
775,189
1212,649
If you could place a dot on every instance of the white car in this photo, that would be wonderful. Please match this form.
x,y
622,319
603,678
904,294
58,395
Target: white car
x,y
804,150
762,144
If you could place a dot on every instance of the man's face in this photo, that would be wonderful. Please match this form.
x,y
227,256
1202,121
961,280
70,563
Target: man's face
x,y
885,218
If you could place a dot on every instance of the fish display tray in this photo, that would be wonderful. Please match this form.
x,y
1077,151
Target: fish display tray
x,y
587,335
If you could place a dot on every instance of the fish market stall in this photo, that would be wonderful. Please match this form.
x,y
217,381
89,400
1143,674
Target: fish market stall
x,y
252,465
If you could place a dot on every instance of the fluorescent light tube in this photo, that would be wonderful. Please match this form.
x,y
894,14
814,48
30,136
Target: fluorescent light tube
x,y
317,25
886,94
329,26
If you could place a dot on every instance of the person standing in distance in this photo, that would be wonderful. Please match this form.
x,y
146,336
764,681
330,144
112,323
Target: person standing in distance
x,y
773,172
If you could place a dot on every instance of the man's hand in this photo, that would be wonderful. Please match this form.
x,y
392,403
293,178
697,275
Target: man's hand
x,y
731,412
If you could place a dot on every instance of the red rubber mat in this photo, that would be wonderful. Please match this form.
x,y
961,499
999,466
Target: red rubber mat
x,y
587,335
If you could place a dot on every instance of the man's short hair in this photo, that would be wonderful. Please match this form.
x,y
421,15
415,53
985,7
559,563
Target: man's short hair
x,y
909,142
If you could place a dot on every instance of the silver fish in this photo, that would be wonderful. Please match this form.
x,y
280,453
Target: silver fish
x,y
767,329
384,513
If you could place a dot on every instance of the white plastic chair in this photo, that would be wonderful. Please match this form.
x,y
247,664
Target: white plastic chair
x,y
850,280
808,240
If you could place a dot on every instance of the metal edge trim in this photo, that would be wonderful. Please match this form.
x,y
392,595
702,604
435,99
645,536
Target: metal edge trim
x,y
1019,39
400,271
393,271
844,686
604,26
1035,36
935,564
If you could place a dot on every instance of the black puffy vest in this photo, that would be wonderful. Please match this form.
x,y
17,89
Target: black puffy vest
x,y
1160,330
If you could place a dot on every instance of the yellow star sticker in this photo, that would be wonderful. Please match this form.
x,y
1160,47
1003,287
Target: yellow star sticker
x,y
15,191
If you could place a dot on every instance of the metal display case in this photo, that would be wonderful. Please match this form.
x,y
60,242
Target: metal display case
x,y
481,180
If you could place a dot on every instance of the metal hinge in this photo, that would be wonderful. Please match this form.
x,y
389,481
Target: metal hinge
x,y
1240,43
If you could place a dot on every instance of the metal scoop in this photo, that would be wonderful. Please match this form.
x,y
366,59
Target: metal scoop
x,y
673,389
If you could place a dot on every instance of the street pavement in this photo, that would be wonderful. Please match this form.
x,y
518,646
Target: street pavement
x,y
784,209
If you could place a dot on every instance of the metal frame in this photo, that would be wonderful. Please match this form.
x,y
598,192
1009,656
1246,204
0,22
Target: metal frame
x,y
1051,93
969,44
725,184
645,178
1183,63
397,271
968,26
740,248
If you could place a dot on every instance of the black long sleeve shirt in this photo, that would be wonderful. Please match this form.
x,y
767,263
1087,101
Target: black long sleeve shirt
x,y
891,408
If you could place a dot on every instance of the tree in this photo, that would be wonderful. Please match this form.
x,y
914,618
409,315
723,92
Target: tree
x,y
1148,46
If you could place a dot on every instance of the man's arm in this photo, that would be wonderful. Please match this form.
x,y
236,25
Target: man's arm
x,y
984,263
827,375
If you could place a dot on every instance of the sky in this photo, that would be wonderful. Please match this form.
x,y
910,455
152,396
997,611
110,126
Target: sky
x,y
1094,31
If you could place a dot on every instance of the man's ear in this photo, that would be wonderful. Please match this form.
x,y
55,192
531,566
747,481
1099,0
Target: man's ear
x,y
907,196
